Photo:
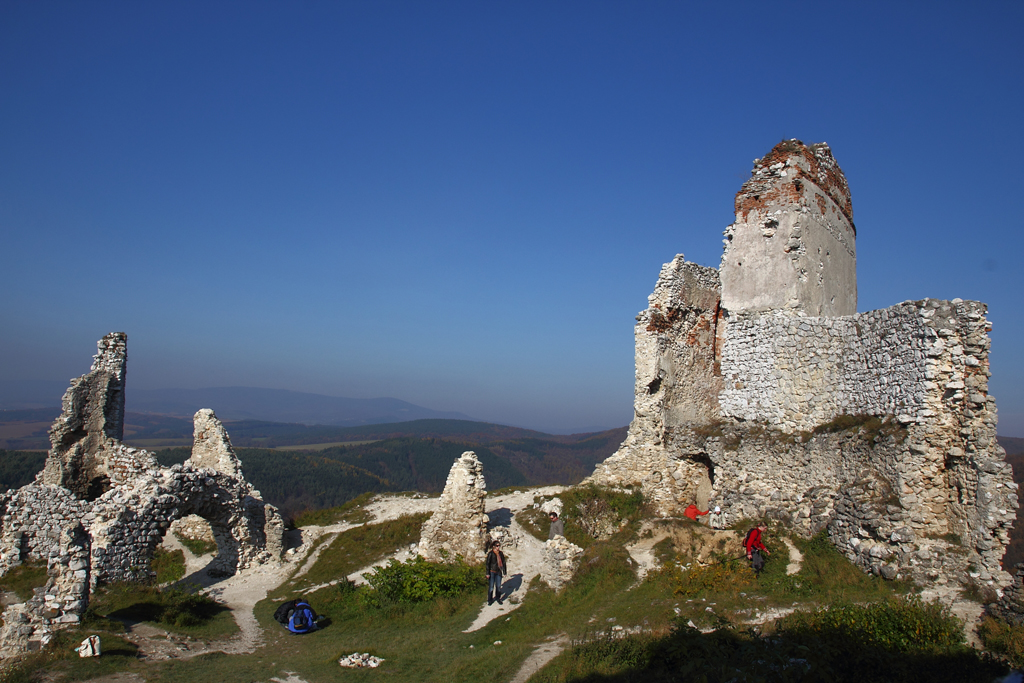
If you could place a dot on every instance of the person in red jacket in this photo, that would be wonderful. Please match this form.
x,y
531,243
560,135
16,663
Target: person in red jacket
x,y
693,511
754,546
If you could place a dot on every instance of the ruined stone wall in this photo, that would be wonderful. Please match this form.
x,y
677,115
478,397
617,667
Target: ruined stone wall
x,y
875,426
91,423
797,372
458,528
793,244
99,508
59,604
677,384
33,518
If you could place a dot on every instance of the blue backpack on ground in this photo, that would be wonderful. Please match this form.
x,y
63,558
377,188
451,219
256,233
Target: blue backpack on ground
x,y
297,616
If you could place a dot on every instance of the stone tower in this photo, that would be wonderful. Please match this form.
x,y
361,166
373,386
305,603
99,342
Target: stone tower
x,y
792,246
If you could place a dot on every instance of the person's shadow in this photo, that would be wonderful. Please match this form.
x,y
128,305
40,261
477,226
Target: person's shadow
x,y
511,585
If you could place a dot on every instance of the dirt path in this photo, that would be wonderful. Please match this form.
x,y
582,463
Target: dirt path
x,y
642,553
796,558
541,655
241,592
193,563
523,550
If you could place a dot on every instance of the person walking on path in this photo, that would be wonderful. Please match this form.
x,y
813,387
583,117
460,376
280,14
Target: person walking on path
x,y
754,545
495,565
557,526
693,512
716,519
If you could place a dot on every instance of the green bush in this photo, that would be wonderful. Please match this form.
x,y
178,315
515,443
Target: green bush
x,y
732,575
591,512
1004,639
147,603
187,609
417,580
899,624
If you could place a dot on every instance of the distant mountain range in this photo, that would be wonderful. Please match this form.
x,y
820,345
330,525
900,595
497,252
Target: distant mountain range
x,y
240,403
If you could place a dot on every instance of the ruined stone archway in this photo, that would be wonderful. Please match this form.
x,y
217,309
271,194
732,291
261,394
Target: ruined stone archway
x,y
99,508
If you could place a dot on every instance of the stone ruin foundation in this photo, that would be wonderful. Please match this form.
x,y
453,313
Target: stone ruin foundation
x,y
99,508
760,388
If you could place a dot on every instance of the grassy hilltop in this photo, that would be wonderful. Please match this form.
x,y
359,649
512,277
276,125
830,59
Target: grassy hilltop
x,y
692,620
701,616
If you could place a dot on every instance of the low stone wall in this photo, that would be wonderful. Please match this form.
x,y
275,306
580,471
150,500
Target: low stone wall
x,y
59,604
559,560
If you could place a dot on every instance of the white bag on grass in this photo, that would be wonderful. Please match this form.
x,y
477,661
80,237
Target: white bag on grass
x,y
90,647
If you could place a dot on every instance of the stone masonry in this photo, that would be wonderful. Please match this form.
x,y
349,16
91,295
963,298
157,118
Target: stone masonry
x,y
761,389
459,526
99,508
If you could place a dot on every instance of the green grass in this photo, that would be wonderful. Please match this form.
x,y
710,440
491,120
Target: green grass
x,y
536,522
353,512
23,578
169,566
591,511
191,614
1004,639
197,546
355,549
62,663
891,642
729,587
425,641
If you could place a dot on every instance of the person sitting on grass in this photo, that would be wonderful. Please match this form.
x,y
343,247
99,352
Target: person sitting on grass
x,y
754,546
495,564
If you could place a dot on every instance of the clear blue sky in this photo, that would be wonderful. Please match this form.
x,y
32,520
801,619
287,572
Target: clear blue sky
x,y
464,205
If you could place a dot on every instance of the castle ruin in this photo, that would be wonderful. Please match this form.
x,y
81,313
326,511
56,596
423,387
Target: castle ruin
x,y
99,508
760,388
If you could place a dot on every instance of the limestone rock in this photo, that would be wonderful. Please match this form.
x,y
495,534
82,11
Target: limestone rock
x,y
99,508
193,528
760,388
459,526
560,558
212,445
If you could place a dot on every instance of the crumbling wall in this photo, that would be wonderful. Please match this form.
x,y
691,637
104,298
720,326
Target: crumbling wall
x,y
913,360
99,508
677,384
793,244
86,456
212,445
875,426
58,604
459,526
559,560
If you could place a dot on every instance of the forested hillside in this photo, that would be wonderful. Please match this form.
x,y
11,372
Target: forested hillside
x,y
18,468
296,481
27,429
